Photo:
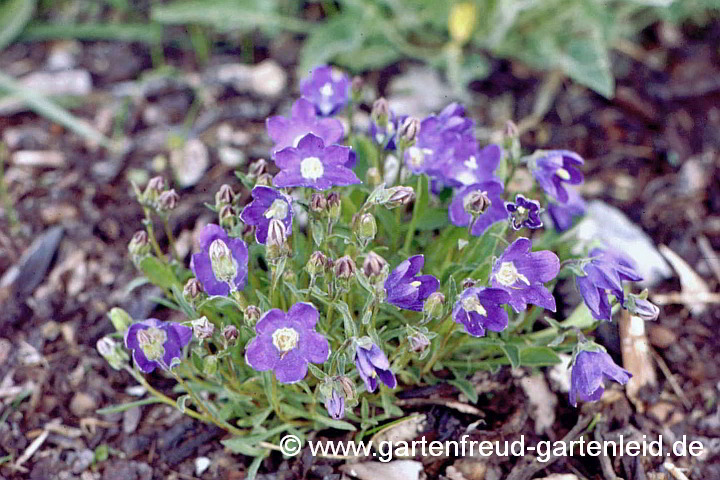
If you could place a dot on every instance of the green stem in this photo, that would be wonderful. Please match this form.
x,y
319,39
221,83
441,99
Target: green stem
x,y
151,235
170,237
7,204
415,215
448,327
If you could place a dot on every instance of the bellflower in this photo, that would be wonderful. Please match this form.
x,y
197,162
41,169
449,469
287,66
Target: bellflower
x,y
563,214
522,274
328,89
222,264
335,405
524,213
287,342
406,289
267,204
371,364
157,344
605,272
287,132
495,213
470,165
556,168
479,309
589,373
314,165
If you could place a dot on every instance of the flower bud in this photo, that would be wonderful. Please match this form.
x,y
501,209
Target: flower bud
x,y
334,206
461,21
317,264
120,319
344,268
139,244
419,342
202,328
433,307
374,265
112,352
222,262
154,188
408,131
230,333
257,168
399,196
347,386
277,233
373,177
318,204
251,315
476,203
335,405
380,112
641,307
468,283
264,180
192,290
168,200
366,227
224,196
227,217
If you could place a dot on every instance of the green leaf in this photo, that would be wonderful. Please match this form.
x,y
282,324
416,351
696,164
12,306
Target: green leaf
x,y
318,231
342,307
220,310
127,406
538,357
14,15
465,387
181,401
513,354
120,32
432,219
159,273
339,34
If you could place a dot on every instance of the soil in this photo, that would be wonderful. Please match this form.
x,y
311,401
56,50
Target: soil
x,y
652,151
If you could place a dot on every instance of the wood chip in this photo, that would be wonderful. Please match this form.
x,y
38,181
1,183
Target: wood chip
x,y
693,286
636,355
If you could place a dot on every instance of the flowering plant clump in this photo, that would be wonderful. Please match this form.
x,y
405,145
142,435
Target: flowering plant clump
x,y
364,260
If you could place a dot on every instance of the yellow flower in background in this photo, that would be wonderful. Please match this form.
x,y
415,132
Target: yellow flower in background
x,y
461,21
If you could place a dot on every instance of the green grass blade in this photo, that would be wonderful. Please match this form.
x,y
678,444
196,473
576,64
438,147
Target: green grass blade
x,y
14,15
148,33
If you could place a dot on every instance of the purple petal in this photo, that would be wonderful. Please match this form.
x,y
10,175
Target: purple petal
x,y
291,368
209,234
261,354
314,347
202,268
288,158
305,313
142,362
387,377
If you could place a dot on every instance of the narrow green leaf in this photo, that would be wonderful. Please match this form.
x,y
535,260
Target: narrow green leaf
x,y
14,15
513,354
126,406
465,387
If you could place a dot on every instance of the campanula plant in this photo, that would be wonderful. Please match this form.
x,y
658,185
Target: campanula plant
x,y
355,263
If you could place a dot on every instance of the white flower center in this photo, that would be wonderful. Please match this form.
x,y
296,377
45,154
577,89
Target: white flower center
x,y
471,163
415,284
285,339
417,156
521,210
278,209
466,178
223,264
562,173
508,275
326,90
311,168
471,304
152,342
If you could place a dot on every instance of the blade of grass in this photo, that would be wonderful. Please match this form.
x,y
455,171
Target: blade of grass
x,y
149,33
48,109
14,15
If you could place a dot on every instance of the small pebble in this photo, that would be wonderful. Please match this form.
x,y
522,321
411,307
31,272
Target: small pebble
x,y
82,404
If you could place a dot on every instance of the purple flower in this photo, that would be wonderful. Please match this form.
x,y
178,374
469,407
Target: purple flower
x,y
470,165
386,136
496,212
522,274
222,264
267,204
371,364
524,213
589,373
335,405
314,165
406,289
563,214
439,138
286,342
328,89
480,309
157,344
606,271
287,132
555,168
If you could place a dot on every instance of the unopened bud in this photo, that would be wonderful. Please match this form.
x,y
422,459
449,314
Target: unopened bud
x,y
399,196
277,233
251,315
642,308
366,227
230,333
317,264
374,265
433,307
258,168
380,112
224,196
139,244
168,200
264,180
192,290
202,328
347,386
318,203
227,217
154,188
419,342
334,206
112,352
120,319
476,203
409,130
344,268
222,263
